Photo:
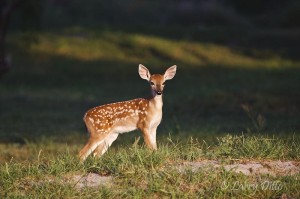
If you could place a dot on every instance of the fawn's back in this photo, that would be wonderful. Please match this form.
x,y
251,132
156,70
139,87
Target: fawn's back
x,y
118,117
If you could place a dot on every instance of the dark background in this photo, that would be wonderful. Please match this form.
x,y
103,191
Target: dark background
x,y
49,14
238,64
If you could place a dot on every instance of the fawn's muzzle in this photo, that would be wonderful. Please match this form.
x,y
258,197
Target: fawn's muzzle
x,y
158,92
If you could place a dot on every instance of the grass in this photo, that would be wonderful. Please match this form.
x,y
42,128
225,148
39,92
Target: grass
x,y
139,172
108,45
236,104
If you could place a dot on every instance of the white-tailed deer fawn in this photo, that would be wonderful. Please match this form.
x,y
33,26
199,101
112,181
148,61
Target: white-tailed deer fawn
x,y
104,123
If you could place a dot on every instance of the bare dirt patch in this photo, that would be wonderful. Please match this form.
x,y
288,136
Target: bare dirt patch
x,y
90,180
79,181
275,168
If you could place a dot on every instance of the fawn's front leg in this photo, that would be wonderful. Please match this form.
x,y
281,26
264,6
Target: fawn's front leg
x,y
150,138
153,137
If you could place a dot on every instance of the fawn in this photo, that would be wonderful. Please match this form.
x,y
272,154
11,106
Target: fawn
x,y
104,123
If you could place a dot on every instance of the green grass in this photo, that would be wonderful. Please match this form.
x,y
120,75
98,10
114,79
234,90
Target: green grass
x,y
139,172
236,104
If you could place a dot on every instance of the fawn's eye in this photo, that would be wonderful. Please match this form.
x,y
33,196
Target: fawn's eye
x,y
163,83
152,83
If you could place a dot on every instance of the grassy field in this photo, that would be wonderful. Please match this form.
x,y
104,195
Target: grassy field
x,y
235,97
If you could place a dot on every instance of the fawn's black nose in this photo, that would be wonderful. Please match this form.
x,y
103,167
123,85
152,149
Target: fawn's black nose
x,y
158,92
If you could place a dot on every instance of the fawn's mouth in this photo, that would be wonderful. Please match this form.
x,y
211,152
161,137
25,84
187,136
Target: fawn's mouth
x,y
158,92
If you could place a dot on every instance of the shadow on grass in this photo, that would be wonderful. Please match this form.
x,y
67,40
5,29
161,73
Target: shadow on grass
x,y
48,98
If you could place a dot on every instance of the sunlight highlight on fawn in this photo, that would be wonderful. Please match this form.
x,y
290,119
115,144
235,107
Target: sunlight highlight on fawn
x,y
104,123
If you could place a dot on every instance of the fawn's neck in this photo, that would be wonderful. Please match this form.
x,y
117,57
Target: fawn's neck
x,y
156,101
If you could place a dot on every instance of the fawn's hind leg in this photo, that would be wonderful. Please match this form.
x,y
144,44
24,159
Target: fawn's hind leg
x,y
103,147
94,141
92,144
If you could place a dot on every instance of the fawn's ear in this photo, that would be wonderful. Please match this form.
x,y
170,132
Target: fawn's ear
x,y
170,72
144,72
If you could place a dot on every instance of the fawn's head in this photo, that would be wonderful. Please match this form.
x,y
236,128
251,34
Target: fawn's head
x,y
157,81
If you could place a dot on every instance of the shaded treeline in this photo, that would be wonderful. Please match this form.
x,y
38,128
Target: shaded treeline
x,y
60,13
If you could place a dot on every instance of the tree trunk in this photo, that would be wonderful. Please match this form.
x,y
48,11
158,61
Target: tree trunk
x,y
6,8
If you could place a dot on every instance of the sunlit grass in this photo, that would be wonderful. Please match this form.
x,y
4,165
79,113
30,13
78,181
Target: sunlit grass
x,y
137,48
